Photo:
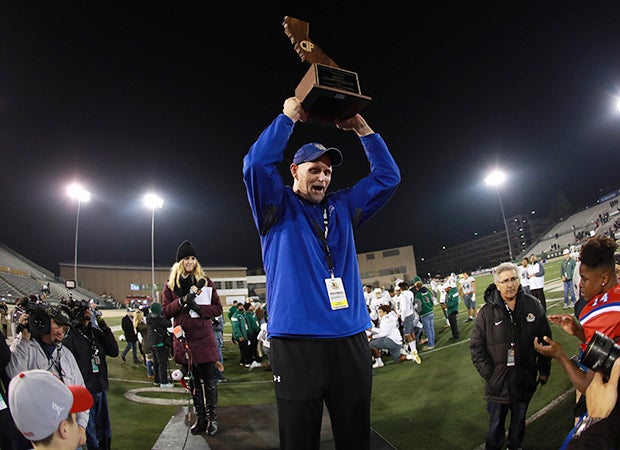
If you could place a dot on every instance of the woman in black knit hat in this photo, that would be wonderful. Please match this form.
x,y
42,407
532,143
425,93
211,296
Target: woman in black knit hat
x,y
190,299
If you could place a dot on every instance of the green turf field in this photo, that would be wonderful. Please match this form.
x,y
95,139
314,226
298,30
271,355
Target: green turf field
x,y
435,405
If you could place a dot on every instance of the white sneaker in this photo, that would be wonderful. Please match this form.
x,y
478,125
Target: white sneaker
x,y
416,357
378,363
166,385
254,365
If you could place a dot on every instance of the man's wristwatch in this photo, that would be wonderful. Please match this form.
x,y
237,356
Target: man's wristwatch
x,y
587,423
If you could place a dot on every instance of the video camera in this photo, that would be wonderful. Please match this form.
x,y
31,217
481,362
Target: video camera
x,y
77,310
40,315
600,354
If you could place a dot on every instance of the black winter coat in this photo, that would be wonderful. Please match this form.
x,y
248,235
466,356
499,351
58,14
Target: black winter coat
x,y
128,330
157,330
84,342
490,340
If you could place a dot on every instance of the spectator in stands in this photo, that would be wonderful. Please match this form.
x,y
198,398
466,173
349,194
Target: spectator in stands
x,y
47,411
192,308
387,337
536,275
567,270
91,347
130,336
524,275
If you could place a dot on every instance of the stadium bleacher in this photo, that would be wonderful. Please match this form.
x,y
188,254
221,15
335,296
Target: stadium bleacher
x,y
20,277
570,232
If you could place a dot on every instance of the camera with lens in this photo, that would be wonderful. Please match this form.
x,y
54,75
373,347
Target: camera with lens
x,y
77,310
38,318
600,354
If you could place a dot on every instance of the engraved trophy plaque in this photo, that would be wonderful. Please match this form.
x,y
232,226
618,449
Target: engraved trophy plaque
x,y
327,93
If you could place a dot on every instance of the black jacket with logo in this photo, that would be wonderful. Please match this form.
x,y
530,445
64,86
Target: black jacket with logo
x,y
490,340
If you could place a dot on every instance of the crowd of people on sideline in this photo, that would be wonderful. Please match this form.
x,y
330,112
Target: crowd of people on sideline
x,y
511,346
413,308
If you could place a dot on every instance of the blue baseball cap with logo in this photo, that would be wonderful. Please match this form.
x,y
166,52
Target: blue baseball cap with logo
x,y
314,150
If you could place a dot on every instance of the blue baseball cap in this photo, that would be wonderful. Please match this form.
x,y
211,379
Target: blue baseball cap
x,y
314,150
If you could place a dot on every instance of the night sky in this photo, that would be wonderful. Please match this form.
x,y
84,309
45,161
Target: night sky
x,y
169,97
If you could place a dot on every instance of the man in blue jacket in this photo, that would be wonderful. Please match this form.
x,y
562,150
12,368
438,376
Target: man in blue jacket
x,y
315,302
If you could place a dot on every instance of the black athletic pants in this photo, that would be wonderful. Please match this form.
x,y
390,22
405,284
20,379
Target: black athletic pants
x,y
310,372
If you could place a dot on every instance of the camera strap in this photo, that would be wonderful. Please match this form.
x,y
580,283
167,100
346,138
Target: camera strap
x,y
94,350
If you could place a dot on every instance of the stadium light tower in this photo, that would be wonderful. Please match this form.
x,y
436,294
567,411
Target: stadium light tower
x,y
78,193
494,179
153,202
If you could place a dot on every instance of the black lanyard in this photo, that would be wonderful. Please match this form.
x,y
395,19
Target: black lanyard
x,y
323,238
94,350
512,344
322,234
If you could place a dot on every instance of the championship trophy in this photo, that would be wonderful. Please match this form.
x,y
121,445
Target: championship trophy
x,y
327,93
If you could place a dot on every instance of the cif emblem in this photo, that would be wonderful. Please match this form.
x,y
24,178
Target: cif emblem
x,y
335,284
306,46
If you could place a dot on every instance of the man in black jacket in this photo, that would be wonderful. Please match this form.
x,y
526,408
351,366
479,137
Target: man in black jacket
x,y
130,336
502,350
158,339
91,345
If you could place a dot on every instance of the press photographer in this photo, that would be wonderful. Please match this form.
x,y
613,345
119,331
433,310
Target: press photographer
x,y
599,427
91,345
40,346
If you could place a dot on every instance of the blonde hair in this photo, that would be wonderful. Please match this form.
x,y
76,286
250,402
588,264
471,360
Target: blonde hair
x,y
137,318
177,270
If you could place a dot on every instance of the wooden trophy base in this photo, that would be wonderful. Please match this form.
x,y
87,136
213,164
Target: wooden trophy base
x,y
330,94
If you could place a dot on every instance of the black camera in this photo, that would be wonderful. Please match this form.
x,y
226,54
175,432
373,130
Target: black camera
x,y
77,310
600,354
38,319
